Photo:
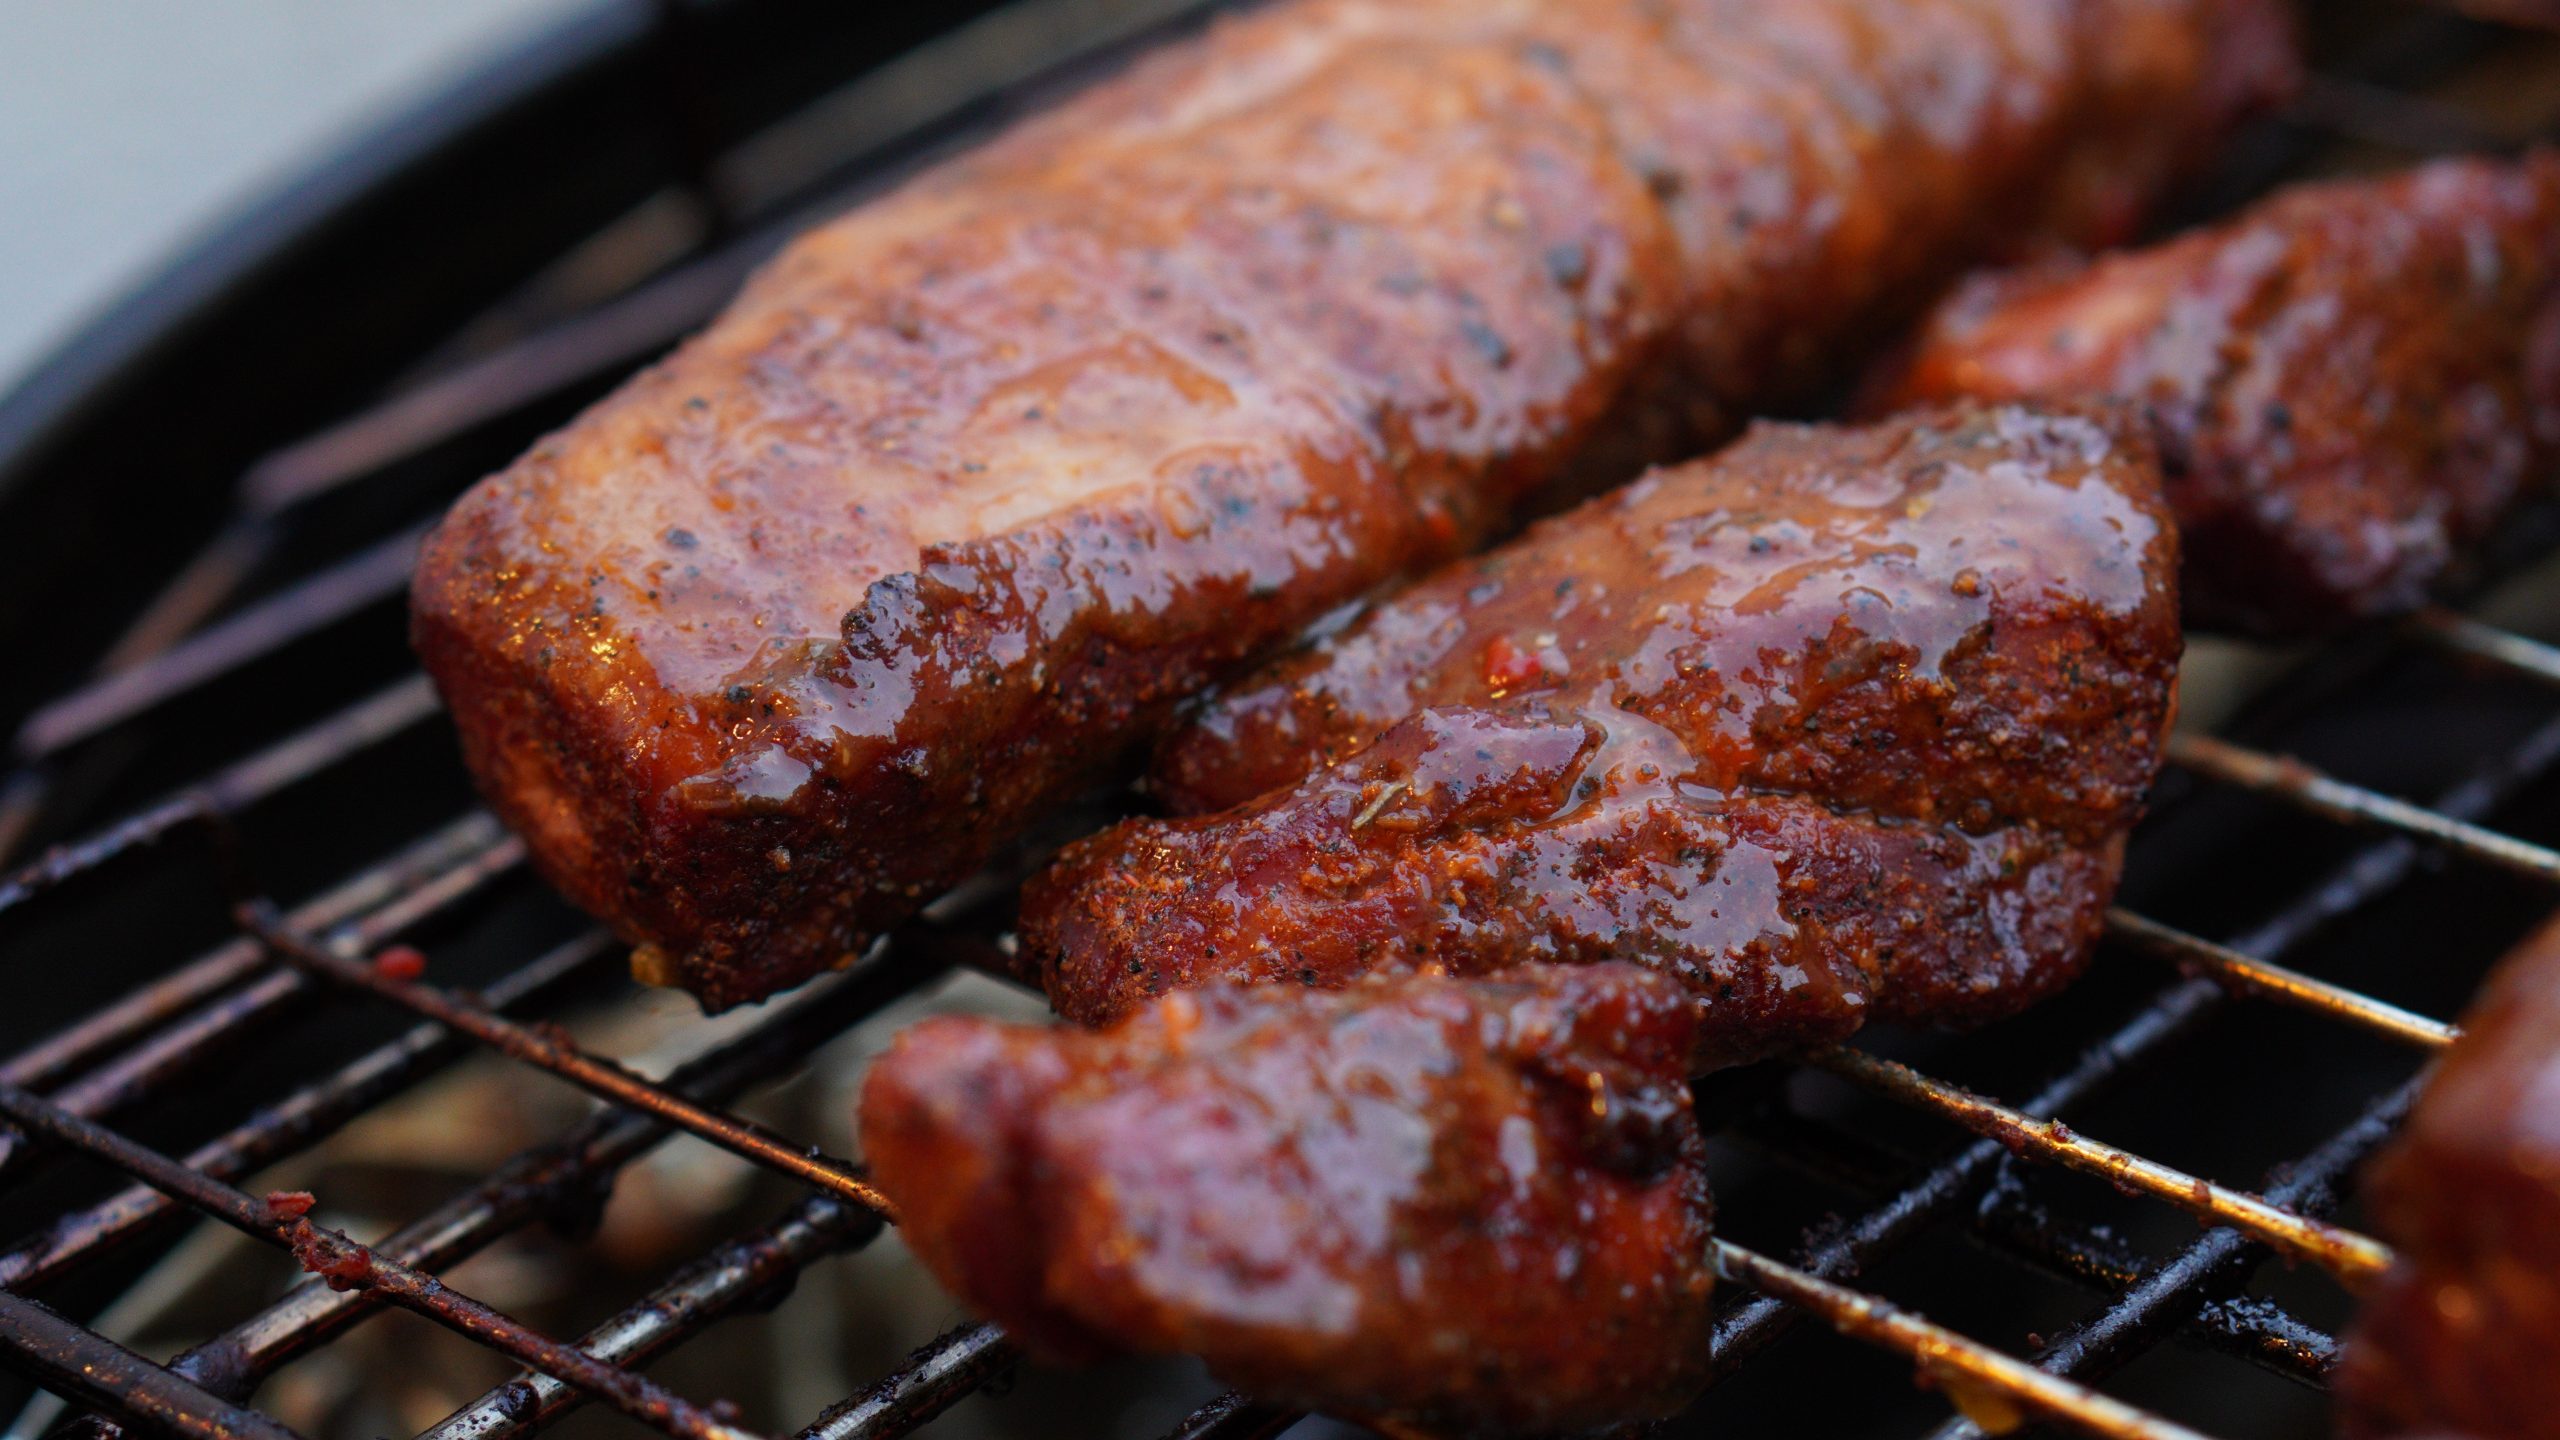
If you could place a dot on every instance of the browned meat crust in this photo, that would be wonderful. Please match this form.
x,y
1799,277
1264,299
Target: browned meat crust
x,y
1474,1204
788,634
2460,1336
2351,381
1840,722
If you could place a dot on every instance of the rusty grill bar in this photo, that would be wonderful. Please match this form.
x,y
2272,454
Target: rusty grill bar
x,y
347,945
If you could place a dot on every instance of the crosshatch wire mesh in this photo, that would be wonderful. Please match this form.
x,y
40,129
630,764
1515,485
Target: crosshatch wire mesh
x,y
267,947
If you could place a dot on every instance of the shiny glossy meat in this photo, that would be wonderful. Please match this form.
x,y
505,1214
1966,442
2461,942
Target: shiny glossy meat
x,y
2461,1336
787,635
1475,1204
2351,381
1840,723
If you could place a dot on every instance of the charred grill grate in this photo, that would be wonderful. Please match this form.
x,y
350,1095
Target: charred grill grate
x,y
316,547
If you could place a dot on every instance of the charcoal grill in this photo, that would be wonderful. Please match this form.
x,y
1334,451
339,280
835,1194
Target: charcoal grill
x,y
239,831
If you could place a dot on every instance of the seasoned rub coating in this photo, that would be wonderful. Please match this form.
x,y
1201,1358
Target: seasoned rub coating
x,y
2350,382
2460,1335
1478,1204
921,536
1839,722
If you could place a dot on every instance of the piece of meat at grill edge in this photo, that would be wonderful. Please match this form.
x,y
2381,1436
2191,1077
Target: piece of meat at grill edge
x,y
2459,1337
2351,381
1839,724
1478,1204
937,522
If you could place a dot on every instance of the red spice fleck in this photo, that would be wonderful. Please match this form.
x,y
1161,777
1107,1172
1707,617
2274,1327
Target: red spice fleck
x,y
1507,666
400,962
284,1205
333,1257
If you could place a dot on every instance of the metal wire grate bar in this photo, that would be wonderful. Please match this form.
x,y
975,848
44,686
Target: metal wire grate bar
x,y
561,1178
2170,1015
156,1003
2275,982
1981,1380
2293,781
92,1370
548,1050
368,577
2352,1257
346,1262
932,1381
197,1039
2008,1220
2461,635
233,788
719,1284
2218,1261
299,1120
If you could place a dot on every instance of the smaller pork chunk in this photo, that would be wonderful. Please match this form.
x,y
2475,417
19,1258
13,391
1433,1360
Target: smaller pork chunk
x,y
2463,1335
2350,382
1841,723
1472,1204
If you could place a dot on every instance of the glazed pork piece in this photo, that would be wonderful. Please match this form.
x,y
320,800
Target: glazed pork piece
x,y
2350,382
1839,724
938,521
1477,1204
2460,1336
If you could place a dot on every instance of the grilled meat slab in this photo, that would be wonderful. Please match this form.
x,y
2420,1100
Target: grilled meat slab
x,y
1476,1204
2350,382
2460,1335
788,634
1839,723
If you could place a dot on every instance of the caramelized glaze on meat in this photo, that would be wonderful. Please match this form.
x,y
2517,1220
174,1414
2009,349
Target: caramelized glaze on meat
x,y
1478,1204
2350,381
785,636
2461,1334
1840,722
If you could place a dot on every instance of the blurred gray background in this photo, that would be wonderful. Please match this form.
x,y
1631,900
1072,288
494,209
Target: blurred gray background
x,y
129,127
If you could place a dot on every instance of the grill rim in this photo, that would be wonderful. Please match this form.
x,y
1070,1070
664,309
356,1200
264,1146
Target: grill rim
x,y
189,294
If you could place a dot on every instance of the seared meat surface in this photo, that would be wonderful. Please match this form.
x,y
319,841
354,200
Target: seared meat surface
x,y
1478,1204
787,635
2350,382
2460,1335
1840,723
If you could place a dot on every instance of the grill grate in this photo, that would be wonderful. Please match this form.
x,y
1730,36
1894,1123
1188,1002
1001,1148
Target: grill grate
x,y
87,1090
